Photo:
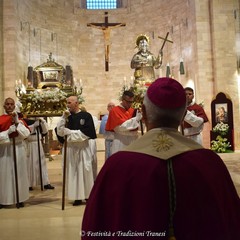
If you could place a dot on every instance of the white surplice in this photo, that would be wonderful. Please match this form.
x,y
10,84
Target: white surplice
x,y
33,156
78,163
7,174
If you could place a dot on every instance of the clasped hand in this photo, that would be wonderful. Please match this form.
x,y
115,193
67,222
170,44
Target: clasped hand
x,y
12,129
138,115
15,117
66,114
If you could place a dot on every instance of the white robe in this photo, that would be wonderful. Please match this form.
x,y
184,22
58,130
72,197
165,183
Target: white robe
x,y
79,172
124,135
7,174
33,158
93,146
195,132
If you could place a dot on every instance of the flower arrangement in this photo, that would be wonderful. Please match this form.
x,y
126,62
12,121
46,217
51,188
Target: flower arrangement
x,y
221,128
139,90
50,101
51,95
221,144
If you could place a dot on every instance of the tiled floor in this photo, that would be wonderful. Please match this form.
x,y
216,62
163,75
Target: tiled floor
x,y
43,217
232,161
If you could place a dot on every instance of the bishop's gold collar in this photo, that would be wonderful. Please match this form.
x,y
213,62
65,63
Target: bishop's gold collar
x,y
163,143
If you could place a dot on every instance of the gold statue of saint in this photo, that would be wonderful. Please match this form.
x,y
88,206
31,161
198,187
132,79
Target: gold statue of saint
x,y
144,62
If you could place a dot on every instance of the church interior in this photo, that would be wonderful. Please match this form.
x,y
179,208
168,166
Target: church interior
x,y
45,44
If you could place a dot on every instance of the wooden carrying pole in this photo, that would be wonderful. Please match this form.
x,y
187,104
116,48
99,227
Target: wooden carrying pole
x,y
64,172
15,167
39,158
141,126
15,171
64,169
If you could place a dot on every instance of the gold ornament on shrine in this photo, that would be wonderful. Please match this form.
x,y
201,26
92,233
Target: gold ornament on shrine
x,y
49,85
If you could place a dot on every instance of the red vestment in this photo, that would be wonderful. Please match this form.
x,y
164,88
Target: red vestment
x,y
6,121
117,116
198,111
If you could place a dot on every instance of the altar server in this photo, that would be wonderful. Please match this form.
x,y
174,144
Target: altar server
x,y
12,133
35,151
123,121
194,119
79,128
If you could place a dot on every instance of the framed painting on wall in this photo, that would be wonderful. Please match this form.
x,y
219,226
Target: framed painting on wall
x,y
221,112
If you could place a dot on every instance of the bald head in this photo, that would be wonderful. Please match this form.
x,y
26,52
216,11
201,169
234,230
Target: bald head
x,y
110,106
73,104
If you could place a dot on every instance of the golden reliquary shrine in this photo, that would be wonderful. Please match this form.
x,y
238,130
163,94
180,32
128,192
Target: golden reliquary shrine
x,y
49,85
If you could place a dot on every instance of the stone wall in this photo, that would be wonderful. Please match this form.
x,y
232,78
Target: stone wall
x,y
32,29
216,55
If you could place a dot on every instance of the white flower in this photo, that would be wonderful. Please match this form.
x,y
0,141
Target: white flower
x,y
221,128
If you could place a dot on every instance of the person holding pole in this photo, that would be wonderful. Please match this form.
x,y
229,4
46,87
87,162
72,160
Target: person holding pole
x,y
13,166
77,128
36,161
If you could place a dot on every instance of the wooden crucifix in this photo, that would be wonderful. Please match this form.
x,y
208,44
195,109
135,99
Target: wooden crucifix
x,y
106,28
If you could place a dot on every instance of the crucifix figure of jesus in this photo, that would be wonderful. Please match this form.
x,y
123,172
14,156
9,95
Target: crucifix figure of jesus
x,y
106,27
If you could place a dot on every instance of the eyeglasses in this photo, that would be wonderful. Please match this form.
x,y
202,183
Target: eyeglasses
x,y
128,101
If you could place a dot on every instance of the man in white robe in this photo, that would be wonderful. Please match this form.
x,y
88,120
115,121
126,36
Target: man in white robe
x,y
194,119
12,127
40,127
123,122
78,128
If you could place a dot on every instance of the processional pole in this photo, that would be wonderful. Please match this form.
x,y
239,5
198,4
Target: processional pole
x,y
39,157
64,168
15,166
64,172
141,126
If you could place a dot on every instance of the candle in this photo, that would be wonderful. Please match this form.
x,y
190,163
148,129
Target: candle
x,y
125,81
132,79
